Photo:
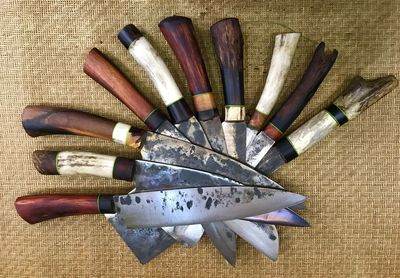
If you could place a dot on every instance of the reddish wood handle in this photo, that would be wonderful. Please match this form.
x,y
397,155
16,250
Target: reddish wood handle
x,y
37,208
107,75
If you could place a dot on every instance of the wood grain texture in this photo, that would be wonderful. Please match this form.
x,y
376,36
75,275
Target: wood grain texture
x,y
100,69
313,76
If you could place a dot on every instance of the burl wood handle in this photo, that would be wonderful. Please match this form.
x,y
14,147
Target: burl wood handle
x,y
358,96
315,73
46,120
282,56
76,163
37,208
179,33
100,69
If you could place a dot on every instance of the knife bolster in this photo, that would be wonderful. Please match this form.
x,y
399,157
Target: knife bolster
x,y
179,111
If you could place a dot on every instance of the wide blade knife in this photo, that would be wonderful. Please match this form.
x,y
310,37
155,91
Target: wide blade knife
x,y
315,73
146,56
358,96
282,56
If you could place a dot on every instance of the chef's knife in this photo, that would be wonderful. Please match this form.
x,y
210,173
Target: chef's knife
x,y
228,45
157,208
282,56
146,175
315,73
146,56
358,96
179,33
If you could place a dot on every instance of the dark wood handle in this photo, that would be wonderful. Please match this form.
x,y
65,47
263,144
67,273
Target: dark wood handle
x,y
107,75
45,162
37,208
228,45
315,73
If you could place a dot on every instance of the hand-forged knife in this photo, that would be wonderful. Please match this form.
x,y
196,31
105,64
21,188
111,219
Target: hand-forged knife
x,y
358,96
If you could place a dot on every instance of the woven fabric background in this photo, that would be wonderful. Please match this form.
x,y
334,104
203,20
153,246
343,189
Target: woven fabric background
x,y
351,178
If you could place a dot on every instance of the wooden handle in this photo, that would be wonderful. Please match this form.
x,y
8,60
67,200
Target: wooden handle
x,y
315,73
284,49
357,97
37,208
45,120
107,75
75,163
228,45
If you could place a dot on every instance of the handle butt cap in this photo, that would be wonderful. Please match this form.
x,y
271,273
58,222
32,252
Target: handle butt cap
x,y
45,162
129,34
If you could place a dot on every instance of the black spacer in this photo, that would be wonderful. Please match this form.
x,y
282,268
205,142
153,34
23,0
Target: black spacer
x,y
179,111
207,114
105,204
286,149
155,119
338,114
124,169
128,35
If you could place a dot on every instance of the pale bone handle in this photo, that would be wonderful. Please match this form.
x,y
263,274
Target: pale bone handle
x,y
357,97
146,56
285,46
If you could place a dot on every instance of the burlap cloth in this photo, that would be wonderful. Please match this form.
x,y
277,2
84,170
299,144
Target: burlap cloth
x,y
351,179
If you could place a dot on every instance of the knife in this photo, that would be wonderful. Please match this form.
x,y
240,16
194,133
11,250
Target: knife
x,y
179,33
282,56
157,208
146,56
228,45
358,96
146,175
315,73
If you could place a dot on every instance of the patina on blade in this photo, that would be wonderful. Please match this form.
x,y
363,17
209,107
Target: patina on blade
x,y
167,129
193,131
215,133
235,138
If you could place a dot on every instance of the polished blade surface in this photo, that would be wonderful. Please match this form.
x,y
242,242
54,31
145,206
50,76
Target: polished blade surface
x,y
235,138
189,236
215,134
251,133
282,217
271,162
187,206
168,129
194,132
258,149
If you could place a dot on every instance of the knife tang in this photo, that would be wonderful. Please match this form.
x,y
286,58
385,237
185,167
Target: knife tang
x,y
358,96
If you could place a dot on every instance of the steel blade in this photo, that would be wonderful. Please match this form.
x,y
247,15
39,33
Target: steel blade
x,y
187,206
168,129
283,217
271,162
194,132
189,236
215,134
258,149
251,133
235,138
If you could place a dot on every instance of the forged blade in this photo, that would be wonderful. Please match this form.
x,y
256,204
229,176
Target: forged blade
x,y
145,243
168,129
282,217
262,236
271,162
223,238
235,138
251,133
194,132
189,236
185,206
215,134
258,149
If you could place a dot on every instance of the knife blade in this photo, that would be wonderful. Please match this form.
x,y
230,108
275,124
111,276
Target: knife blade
x,y
315,73
178,31
228,45
168,207
282,56
358,96
146,56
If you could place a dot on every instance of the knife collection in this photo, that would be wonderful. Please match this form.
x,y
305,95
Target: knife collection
x,y
197,173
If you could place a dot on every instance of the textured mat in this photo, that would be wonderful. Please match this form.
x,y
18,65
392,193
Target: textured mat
x,y
351,179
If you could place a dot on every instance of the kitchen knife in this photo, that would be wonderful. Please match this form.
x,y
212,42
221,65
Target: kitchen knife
x,y
146,175
179,33
282,56
358,96
315,73
146,56
228,45
167,207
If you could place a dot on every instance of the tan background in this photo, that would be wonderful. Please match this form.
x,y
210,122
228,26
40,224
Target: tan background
x,y
351,179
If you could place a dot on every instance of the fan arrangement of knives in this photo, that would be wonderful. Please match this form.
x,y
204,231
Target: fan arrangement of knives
x,y
196,174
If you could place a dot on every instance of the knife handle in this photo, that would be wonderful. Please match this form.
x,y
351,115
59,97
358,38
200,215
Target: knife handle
x,y
146,56
107,75
358,96
282,56
76,163
228,45
37,208
46,120
315,73
178,31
